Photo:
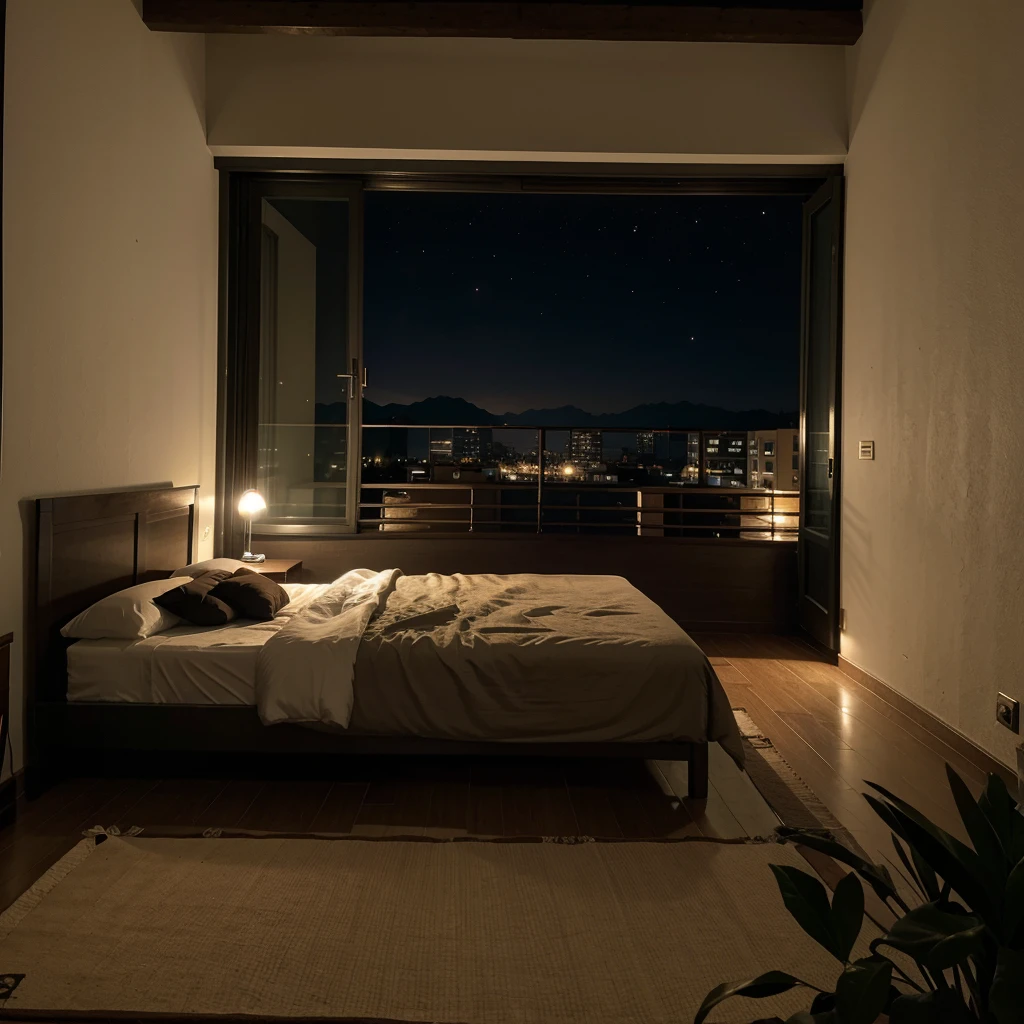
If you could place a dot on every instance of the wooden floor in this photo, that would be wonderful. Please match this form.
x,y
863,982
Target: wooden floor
x,y
832,731
836,733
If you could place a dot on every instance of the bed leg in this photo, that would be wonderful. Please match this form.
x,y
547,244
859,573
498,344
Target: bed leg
x,y
697,774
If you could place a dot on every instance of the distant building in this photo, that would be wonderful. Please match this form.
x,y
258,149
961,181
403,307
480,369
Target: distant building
x,y
645,446
585,449
773,459
690,473
466,446
440,448
725,459
487,452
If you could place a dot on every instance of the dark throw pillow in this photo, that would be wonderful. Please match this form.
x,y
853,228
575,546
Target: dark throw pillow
x,y
251,595
195,601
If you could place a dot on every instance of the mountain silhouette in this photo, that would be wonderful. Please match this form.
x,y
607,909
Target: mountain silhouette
x,y
445,410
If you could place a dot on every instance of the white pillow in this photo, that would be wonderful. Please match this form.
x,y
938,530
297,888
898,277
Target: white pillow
x,y
198,568
127,615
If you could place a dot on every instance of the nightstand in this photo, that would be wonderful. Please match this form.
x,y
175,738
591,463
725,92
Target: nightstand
x,y
278,569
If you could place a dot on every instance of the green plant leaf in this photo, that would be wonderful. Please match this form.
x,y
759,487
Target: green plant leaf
x,y
912,876
956,863
1000,809
1006,997
863,991
807,900
927,875
943,1006
873,874
986,842
823,1002
935,937
847,914
771,983
1013,906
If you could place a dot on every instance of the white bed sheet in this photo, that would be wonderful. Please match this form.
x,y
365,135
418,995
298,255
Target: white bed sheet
x,y
183,665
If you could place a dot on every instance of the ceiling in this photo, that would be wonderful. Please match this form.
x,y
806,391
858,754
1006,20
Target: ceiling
x,y
836,22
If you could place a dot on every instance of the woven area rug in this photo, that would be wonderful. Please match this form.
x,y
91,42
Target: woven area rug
x,y
477,932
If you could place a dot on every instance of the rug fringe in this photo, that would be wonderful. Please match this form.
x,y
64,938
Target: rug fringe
x,y
189,832
35,893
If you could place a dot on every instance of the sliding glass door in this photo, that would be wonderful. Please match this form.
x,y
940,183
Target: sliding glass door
x,y
300,352
819,417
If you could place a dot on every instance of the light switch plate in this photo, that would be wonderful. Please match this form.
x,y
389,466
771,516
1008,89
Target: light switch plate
x,y
867,450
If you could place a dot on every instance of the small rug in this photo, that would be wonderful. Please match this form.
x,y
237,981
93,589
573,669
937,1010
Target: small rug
x,y
352,929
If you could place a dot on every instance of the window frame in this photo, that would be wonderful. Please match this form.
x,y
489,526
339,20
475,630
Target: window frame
x,y
242,177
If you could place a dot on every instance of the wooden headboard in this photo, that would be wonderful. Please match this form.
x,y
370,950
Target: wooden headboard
x,y
89,546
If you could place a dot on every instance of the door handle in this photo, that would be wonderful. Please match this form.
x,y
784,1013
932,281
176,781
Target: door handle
x,y
352,379
348,377
831,467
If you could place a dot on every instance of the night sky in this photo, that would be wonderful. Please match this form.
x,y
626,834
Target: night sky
x,y
603,302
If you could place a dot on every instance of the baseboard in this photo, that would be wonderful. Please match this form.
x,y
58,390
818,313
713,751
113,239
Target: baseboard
x,y
965,747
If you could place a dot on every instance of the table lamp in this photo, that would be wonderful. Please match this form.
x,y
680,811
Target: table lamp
x,y
249,504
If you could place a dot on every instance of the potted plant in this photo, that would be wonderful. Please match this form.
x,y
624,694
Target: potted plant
x,y
965,938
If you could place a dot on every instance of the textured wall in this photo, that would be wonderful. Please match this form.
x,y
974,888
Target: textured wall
x,y
933,555
110,267
503,98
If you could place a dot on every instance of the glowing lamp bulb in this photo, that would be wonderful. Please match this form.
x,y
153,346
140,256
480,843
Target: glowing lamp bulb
x,y
250,503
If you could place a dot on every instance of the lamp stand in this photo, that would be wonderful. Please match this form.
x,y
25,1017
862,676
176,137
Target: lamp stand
x,y
248,556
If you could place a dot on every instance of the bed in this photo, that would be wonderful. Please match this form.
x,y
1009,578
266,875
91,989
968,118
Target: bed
x,y
550,665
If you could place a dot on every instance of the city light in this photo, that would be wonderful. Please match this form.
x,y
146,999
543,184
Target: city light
x,y
568,469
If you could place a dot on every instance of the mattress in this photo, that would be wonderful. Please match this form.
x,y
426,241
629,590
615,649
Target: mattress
x,y
496,658
183,665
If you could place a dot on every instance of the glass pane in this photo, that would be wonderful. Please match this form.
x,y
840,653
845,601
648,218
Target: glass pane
x,y
304,345
817,579
819,393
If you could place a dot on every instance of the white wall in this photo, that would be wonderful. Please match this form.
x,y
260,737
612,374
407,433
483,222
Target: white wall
x,y
525,99
110,268
933,557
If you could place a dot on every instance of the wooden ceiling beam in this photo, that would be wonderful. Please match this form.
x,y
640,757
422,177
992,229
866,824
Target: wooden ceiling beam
x,y
694,22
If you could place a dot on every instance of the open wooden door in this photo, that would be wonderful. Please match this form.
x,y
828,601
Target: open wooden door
x,y
820,370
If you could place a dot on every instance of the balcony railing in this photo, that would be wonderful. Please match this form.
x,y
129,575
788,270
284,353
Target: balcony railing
x,y
460,488
707,512
436,478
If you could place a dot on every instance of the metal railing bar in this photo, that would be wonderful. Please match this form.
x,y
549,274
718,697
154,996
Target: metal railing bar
x,y
760,514
732,492
423,525
528,426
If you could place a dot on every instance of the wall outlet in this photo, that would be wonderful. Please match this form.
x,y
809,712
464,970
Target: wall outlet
x,y
1008,712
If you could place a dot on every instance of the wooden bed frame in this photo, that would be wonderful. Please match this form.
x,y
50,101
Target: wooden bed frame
x,y
90,546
